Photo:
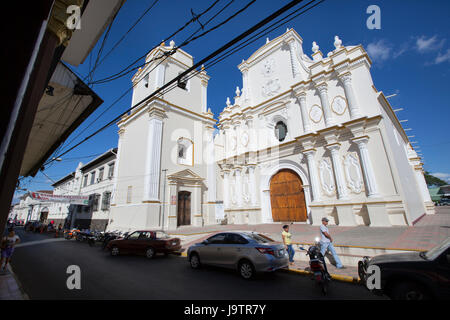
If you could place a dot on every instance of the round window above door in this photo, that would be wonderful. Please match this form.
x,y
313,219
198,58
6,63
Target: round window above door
x,y
280,130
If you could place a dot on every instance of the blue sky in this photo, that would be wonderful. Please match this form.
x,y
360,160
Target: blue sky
x,y
410,54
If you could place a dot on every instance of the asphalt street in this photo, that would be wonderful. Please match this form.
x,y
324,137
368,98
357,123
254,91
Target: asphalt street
x,y
41,266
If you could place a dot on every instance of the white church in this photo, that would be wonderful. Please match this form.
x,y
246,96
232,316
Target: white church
x,y
304,138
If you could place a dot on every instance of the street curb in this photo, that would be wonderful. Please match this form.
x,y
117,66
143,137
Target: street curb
x,y
336,277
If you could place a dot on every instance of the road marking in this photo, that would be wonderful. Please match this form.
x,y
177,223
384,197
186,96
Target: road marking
x,y
32,243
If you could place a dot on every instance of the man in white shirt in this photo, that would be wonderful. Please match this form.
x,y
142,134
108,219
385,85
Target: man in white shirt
x,y
326,243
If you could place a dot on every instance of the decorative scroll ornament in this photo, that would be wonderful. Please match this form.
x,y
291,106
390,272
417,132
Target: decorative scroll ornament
x,y
353,173
315,113
268,67
339,105
271,87
244,138
326,177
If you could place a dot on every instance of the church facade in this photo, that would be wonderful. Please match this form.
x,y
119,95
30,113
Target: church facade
x,y
304,138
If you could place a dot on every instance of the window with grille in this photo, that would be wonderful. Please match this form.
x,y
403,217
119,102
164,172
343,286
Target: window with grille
x,y
95,202
106,203
100,174
111,170
93,177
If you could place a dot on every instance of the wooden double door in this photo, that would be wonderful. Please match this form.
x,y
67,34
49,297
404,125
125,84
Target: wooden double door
x,y
184,208
287,197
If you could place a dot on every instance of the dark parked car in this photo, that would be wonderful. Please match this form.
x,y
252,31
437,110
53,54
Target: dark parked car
x,y
145,242
413,276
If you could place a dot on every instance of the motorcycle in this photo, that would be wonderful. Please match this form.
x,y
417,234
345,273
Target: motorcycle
x,y
318,266
96,236
112,236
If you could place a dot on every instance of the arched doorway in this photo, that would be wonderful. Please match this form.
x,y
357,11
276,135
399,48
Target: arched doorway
x,y
184,208
44,215
287,197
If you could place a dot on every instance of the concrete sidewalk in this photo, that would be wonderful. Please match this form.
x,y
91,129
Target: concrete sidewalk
x,y
10,288
427,233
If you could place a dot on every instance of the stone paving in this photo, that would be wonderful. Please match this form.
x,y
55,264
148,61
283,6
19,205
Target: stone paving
x,y
9,287
427,233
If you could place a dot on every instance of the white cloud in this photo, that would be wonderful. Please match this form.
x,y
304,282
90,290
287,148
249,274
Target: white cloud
x,y
431,44
379,50
442,176
442,57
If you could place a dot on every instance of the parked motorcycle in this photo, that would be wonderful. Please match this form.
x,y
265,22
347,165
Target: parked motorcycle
x,y
112,236
318,266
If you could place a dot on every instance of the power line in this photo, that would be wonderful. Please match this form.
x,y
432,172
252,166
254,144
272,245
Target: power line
x,y
166,55
252,39
166,38
124,36
185,73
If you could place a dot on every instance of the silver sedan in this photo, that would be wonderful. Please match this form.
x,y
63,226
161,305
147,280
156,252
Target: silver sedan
x,y
247,252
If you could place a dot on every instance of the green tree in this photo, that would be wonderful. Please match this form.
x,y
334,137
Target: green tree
x,y
433,181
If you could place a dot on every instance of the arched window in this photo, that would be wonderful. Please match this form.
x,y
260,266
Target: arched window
x,y
280,130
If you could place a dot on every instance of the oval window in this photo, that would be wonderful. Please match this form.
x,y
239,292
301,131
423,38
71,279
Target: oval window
x,y
280,130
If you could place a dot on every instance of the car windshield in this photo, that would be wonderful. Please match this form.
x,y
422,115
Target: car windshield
x,y
260,238
436,251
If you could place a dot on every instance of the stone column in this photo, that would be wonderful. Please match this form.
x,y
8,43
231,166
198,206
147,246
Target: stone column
x,y
323,91
304,112
153,162
350,94
172,212
312,168
211,170
238,186
369,175
338,171
295,67
252,184
226,188
246,88
116,167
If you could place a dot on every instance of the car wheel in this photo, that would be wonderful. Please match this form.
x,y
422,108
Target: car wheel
x,y
115,251
408,291
246,270
150,253
195,261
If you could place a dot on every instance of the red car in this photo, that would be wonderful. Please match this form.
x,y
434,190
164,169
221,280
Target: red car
x,y
145,242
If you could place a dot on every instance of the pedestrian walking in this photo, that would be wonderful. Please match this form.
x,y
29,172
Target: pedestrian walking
x,y
326,243
7,246
287,240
